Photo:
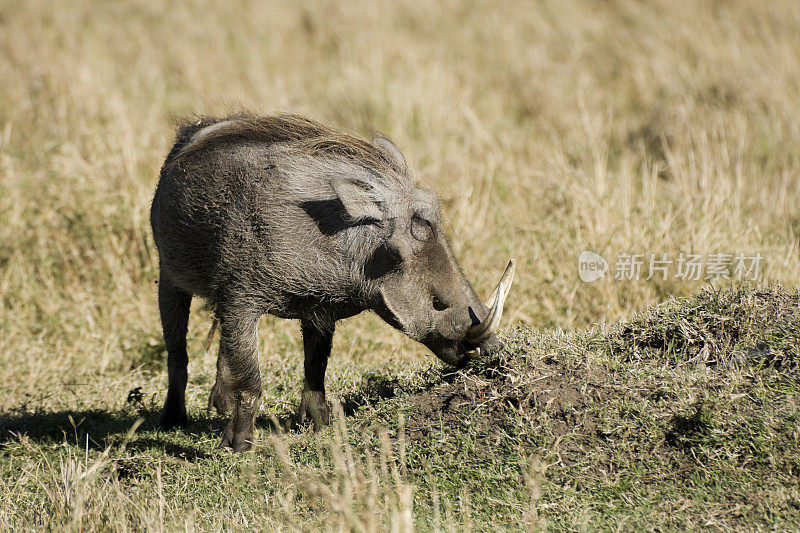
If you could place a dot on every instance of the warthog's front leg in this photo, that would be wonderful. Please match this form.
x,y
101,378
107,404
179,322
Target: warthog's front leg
x,y
317,347
238,385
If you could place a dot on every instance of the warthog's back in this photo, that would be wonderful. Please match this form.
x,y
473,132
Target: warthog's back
x,y
242,203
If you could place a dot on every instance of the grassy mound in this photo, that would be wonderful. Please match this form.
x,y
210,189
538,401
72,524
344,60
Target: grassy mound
x,y
684,416
735,325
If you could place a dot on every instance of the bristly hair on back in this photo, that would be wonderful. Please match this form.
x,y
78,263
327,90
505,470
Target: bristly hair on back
x,y
305,134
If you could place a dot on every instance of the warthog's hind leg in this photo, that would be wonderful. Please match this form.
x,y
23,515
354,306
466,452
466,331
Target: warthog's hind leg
x,y
238,385
174,307
221,398
317,347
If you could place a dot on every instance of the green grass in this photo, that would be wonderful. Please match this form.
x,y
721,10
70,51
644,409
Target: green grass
x,y
562,431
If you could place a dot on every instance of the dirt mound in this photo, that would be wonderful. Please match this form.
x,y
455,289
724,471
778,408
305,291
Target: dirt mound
x,y
490,401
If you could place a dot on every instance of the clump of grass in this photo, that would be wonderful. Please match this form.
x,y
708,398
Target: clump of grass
x,y
733,325
685,429
357,489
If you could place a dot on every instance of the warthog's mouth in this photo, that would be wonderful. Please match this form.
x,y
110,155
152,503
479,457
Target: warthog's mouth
x,y
489,346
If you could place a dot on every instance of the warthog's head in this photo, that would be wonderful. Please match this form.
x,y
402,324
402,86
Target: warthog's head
x,y
416,283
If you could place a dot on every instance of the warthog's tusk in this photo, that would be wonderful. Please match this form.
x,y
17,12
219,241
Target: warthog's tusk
x,y
480,332
506,280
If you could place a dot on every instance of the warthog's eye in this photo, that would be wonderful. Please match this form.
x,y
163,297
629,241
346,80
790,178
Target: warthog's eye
x,y
438,304
420,228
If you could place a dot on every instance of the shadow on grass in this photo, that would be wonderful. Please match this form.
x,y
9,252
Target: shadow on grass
x,y
104,428
374,389
110,427
60,426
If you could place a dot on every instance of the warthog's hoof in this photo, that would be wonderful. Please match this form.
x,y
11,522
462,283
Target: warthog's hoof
x,y
172,418
240,442
221,399
313,407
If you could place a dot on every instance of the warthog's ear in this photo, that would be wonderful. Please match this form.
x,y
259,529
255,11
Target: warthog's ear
x,y
360,199
390,152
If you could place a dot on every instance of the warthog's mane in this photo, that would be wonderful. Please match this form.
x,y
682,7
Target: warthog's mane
x,y
305,135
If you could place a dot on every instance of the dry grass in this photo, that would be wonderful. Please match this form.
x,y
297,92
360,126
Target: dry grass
x,y
546,129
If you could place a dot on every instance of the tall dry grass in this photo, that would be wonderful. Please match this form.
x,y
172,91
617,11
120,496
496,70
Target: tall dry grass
x,y
546,128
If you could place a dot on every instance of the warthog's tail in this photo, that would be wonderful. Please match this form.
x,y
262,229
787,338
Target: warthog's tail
x,y
186,130
211,333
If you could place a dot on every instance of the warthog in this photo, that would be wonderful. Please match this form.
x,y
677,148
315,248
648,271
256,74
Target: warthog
x,y
284,215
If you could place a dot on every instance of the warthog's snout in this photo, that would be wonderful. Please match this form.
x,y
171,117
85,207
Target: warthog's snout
x,y
479,337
